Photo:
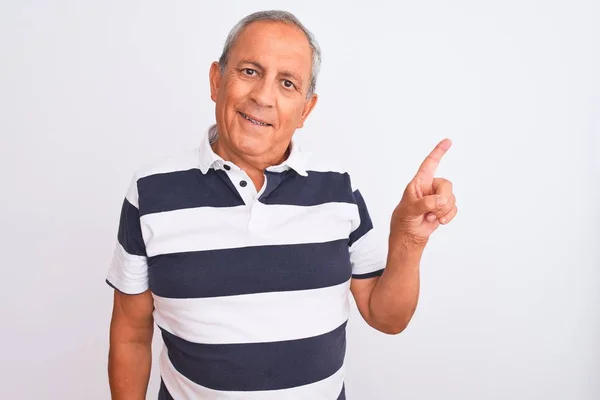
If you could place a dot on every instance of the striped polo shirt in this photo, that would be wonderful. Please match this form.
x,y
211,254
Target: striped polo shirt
x,y
251,288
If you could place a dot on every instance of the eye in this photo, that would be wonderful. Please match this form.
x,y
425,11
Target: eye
x,y
249,71
288,84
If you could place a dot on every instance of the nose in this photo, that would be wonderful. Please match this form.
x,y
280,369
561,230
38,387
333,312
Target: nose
x,y
263,94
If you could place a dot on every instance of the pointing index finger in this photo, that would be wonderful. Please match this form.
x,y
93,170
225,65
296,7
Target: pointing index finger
x,y
431,162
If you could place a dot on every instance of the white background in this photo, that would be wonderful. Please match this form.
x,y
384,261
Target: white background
x,y
510,301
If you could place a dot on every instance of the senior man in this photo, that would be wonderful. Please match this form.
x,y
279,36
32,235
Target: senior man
x,y
244,251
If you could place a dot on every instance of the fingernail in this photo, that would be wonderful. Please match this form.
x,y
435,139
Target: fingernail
x,y
431,217
441,201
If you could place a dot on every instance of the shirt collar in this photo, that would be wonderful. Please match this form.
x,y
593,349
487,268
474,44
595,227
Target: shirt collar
x,y
209,159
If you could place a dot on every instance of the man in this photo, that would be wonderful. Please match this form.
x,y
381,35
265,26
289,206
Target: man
x,y
244,251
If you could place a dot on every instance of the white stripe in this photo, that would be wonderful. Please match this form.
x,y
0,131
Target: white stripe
x,y
210,228
132,195
369,253
181,388
127,272
261,317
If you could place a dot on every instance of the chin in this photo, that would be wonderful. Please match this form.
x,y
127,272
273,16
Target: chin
x,y
251,144
251,141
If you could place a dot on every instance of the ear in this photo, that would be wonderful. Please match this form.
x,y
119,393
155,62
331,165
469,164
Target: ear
x,y
215,80
309,105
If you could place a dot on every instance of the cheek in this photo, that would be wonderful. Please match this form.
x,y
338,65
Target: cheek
x,y
290,112
234,89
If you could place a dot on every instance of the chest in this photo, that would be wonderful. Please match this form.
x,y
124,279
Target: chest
x,y
282,241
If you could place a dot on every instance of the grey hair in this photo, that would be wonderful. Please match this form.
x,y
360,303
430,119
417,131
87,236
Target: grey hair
x,y
275,16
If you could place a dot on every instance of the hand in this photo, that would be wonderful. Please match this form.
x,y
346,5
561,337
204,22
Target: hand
x,y
426,203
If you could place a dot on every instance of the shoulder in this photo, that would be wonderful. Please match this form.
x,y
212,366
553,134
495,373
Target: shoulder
x,y
318,163
182,161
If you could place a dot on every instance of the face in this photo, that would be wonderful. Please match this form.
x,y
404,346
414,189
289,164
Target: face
x,y
261,97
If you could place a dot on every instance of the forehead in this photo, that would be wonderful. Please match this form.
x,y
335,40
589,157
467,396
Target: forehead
x,y
275,45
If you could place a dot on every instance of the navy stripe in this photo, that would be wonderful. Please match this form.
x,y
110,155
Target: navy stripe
x,y
163,393
186,189
130,232
365,219
369,275
289,188
227,272
258,366
342,395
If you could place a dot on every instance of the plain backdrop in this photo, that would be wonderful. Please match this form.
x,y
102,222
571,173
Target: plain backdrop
x,y
510,308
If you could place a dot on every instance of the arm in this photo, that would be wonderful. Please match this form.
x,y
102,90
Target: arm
x,y
388,303
130,353
131,326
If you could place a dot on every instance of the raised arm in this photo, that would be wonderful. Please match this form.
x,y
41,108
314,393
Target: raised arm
x,y
388,302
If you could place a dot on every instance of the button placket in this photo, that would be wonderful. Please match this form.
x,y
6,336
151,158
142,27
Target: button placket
x,y
243,185
254,222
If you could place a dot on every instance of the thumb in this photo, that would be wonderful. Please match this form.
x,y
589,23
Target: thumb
x,y
428,204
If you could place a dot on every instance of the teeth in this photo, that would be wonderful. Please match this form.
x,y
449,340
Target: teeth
x,y
253,120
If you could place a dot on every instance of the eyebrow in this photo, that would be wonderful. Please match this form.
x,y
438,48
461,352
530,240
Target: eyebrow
x,y
284,73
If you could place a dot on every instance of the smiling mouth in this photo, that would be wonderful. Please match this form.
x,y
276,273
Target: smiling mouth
x,y
253,120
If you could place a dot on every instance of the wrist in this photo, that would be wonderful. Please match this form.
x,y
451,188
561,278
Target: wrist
x,y
405,251
407,243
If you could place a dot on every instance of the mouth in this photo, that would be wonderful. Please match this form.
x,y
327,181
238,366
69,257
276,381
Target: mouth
x,y
254,120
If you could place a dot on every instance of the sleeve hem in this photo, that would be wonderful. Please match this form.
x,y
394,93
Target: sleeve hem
x,y
368,275
129,291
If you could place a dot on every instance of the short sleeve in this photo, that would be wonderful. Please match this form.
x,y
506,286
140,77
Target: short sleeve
x,y
128,271
368,253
